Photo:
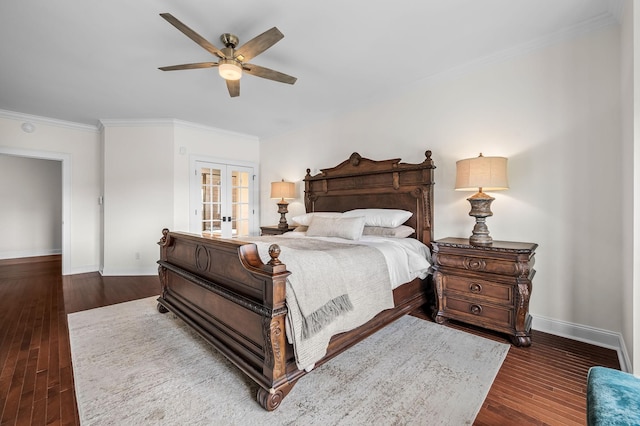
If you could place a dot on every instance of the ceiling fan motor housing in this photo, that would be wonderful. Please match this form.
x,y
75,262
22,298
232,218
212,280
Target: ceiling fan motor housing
x,y
229,40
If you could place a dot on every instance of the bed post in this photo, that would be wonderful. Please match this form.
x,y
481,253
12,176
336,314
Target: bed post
x,y
308,196
162,271
427,199
273,331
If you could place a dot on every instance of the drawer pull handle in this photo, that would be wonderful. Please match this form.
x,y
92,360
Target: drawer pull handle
x,y
474,264
475,288
475,309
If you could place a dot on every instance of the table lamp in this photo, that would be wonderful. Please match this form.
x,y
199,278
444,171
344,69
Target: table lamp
x,y
481,173
283,190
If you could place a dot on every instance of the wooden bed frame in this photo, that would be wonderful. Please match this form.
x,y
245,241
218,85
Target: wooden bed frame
x,y
222,289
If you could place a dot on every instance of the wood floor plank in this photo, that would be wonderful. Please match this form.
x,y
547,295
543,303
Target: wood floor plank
x,y
39,412
53,405
544,384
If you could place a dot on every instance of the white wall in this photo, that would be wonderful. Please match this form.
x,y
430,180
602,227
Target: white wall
x,y
138,196
634,328
76,144
630,91
146,184
555,113
31,194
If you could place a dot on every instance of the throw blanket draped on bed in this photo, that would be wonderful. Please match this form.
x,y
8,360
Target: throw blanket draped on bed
x,y
332,288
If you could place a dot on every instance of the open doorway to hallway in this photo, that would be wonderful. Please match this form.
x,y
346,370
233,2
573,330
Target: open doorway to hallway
x,y
64,180
31,213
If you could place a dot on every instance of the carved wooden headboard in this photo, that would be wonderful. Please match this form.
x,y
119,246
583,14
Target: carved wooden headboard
x,y
363,183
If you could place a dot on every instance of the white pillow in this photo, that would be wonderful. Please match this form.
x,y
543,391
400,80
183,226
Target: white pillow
x,y
347,228
387,218
402,231
305,219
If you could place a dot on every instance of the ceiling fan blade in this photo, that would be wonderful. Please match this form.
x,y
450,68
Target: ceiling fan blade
x,y
269,74
234,87
195,66
205,44
258,44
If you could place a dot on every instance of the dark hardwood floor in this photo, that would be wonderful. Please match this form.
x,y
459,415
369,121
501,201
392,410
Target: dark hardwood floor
x,y
36,379
541,385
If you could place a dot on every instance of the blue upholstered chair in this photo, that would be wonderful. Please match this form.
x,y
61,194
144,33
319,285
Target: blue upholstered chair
x,y
613,397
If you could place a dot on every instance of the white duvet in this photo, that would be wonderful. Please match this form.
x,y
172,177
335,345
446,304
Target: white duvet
x,y
407,258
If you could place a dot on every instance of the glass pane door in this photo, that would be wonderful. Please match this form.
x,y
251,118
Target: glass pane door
x,y
222,200
241,179
211,190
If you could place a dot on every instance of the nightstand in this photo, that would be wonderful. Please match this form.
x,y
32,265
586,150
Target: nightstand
x,y
488,286
274,230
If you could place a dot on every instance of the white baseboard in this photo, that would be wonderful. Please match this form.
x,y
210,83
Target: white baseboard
x,y
114,272
83,269
586,334
29,253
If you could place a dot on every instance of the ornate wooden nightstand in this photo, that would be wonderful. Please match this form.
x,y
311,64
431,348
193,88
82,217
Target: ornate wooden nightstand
x,y
488,286
274,230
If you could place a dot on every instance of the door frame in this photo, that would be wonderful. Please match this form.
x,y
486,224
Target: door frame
x,y
66,194
254,230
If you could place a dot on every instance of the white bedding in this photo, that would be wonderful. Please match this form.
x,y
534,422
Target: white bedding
x,y
407,258
404,258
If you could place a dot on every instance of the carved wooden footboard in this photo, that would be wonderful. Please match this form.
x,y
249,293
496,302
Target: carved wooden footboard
x,y
224,291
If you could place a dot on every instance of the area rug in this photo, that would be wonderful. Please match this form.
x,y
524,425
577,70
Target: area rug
x,y
133,365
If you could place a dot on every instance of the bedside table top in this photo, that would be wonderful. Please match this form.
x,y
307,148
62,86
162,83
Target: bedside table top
x,y
496,245
275,227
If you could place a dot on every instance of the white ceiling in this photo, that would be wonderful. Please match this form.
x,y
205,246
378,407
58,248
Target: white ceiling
x,y
87,60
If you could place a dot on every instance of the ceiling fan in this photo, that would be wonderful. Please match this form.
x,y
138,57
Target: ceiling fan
x,y
232,61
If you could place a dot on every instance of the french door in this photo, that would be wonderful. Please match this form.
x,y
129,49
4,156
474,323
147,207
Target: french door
x,y
223,196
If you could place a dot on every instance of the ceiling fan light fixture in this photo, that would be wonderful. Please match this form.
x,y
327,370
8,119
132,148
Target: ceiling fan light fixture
x,y
229,70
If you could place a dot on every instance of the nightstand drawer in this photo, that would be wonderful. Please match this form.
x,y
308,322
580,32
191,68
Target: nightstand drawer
x,y
502,293
481,311
486,265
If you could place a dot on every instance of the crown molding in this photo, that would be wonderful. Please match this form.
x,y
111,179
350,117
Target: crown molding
x,y
196,126
155,122
18,116
142,122
169,122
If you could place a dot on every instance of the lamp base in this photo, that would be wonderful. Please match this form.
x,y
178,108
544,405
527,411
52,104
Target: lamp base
x,y
480,209
480,235
282,209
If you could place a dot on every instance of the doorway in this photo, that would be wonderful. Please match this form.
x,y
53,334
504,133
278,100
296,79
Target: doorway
x,y
222,198
66,194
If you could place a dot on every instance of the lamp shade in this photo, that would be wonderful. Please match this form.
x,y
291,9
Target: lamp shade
x,y
283,190
487,173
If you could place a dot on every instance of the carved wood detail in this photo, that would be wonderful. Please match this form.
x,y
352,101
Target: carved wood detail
x,y
363,183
